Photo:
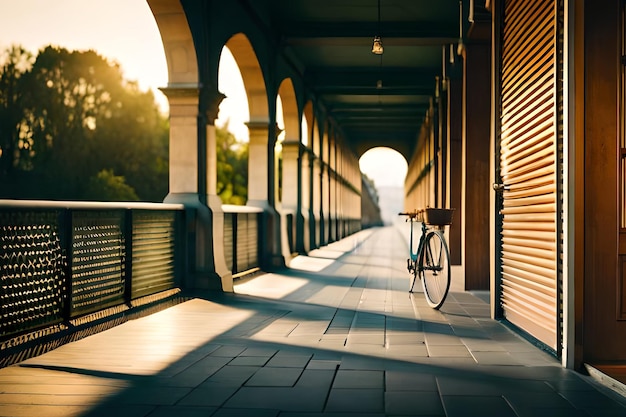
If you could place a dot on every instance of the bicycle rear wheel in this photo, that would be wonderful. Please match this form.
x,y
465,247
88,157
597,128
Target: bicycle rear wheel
x,y
435,269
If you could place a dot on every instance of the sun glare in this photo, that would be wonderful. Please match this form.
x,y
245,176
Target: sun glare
x,y
234,108
385,166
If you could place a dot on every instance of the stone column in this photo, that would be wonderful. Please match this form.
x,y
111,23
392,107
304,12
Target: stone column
x,y
260,179
291,183
324,175
190,138
332,208
305,205
258,166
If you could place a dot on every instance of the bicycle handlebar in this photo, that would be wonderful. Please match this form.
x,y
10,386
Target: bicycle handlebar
x,y
412,214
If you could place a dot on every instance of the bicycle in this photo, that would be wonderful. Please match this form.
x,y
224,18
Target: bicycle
x,y
431,260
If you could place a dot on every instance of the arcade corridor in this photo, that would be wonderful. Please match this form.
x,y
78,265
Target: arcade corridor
x,y
336,335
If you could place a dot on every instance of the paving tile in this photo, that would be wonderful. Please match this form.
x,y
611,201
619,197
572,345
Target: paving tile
x,y
108,410
232,375
289,361
494,358
178,411
476,406
401,351
323,364
309,399
469,384
249,361
482,344
411,403
443,339
259,351
319,379
274,377
373,339
208,396
242,412
552,412
152,395
21,410
448,351
404,338
359,379
228,351
410,381
330,414
355,400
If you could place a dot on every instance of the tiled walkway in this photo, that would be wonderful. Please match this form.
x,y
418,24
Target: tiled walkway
x,y
337,335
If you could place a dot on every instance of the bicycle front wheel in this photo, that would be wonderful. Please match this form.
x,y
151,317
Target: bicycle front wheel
x,y
435,269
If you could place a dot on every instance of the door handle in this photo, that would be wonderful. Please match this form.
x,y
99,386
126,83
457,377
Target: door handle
x,y
500,187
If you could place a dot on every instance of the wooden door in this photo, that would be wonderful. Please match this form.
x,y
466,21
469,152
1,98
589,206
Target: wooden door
x,y
529,132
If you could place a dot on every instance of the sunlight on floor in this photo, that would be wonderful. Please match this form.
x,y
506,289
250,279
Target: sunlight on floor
x,y
271,286
311,263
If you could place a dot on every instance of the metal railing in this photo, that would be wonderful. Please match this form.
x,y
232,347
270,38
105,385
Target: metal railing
x,y
63,260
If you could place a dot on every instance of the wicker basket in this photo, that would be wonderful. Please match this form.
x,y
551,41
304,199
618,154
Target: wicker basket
x,y
438,216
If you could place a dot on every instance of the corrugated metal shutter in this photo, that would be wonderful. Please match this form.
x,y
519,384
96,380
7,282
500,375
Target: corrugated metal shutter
x,y
229,239
528,157
153,250
247,242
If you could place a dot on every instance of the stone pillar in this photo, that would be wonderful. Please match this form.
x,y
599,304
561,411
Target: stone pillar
x,y
260,178
213,200
291,186
339,184
316,193
258,166
305,205
324,175
190,140
332,191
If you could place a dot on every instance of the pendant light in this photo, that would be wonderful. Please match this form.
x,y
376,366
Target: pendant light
x,y
377,47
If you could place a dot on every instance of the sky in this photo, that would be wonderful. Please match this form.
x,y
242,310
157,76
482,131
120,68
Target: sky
x,y
125,31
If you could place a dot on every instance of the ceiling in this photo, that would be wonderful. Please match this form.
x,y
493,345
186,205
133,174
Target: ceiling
x,y
331,41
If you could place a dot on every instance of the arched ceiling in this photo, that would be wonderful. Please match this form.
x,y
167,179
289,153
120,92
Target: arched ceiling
x,y
330,42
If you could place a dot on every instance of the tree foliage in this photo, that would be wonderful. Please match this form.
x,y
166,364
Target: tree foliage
x,y
68,121
71,128
232,168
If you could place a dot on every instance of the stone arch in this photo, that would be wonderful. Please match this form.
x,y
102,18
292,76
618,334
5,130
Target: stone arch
x,y
180,52
258,125
291,120
291,174
252,75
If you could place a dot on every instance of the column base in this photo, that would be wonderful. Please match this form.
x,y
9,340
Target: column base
x,y
205,234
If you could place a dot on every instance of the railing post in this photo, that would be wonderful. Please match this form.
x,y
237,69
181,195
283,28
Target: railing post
x,y
66,237
128,260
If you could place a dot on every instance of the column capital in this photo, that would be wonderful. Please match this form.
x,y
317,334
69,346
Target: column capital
x,y
213,99
183,99
258,124
181,91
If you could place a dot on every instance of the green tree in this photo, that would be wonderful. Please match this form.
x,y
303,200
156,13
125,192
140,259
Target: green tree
x,y
107,186
232,168
14,146
81,118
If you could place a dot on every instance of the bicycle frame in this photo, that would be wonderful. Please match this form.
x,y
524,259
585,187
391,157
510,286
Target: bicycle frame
x,y
415,254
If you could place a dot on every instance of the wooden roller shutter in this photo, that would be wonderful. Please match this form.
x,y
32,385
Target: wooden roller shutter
x,y
528,169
